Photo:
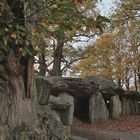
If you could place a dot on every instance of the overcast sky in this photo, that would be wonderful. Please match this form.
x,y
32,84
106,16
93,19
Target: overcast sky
x,y
105,6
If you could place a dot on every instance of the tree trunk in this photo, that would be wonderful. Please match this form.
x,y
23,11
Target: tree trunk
x,y
56,71
15,104
139,82
127,83
119,83
138,76
135,80
15,108
42,64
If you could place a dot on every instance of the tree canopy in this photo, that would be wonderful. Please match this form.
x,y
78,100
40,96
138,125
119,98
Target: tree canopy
x,y
47,30
116,54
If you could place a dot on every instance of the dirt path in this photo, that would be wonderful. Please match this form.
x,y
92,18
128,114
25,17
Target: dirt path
x,y
122,129
105,135
90,135
124,135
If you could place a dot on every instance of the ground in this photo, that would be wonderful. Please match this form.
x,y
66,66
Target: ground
x,y
131,123
125,128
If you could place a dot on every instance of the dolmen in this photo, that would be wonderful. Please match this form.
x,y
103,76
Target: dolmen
x,y
105,99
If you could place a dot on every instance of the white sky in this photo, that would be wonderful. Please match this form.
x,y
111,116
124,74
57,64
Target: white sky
x,y
105,6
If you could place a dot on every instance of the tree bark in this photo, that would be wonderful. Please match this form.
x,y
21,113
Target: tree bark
x,y
42,64
127,83
139,81
15,104
120,83
138,75
56,71
135,80
15,108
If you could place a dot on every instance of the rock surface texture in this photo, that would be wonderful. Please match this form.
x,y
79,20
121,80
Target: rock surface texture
x,y
137,109
106,87
64,106
98,111
58,103
116,107
74,86
67,114
125,107
43,88
50,124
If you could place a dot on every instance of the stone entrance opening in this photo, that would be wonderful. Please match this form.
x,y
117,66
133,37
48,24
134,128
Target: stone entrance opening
x,y
81,109
108,105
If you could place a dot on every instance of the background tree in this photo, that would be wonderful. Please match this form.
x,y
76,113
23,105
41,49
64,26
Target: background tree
x,y
65,22
115,55
126,20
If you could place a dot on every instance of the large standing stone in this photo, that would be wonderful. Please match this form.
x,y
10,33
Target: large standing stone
x,y
43,90
67,114
97,108
130,102
116,107
63,105
136,107
58,103
132,107
125,107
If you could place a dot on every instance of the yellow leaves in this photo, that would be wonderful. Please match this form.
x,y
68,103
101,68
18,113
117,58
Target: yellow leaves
x,y
74,29
54,5
116,53
38,38
84,63
14,35
88,5
106,58
6,29
84,5
44,23
5,40
107,40
34,32
33,43
79,1
27,42
20,49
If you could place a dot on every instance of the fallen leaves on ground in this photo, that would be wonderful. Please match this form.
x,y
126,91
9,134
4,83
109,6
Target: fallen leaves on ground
x,y
131,123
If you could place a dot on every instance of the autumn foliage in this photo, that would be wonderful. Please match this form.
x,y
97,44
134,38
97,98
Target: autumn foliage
x,y
116,54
